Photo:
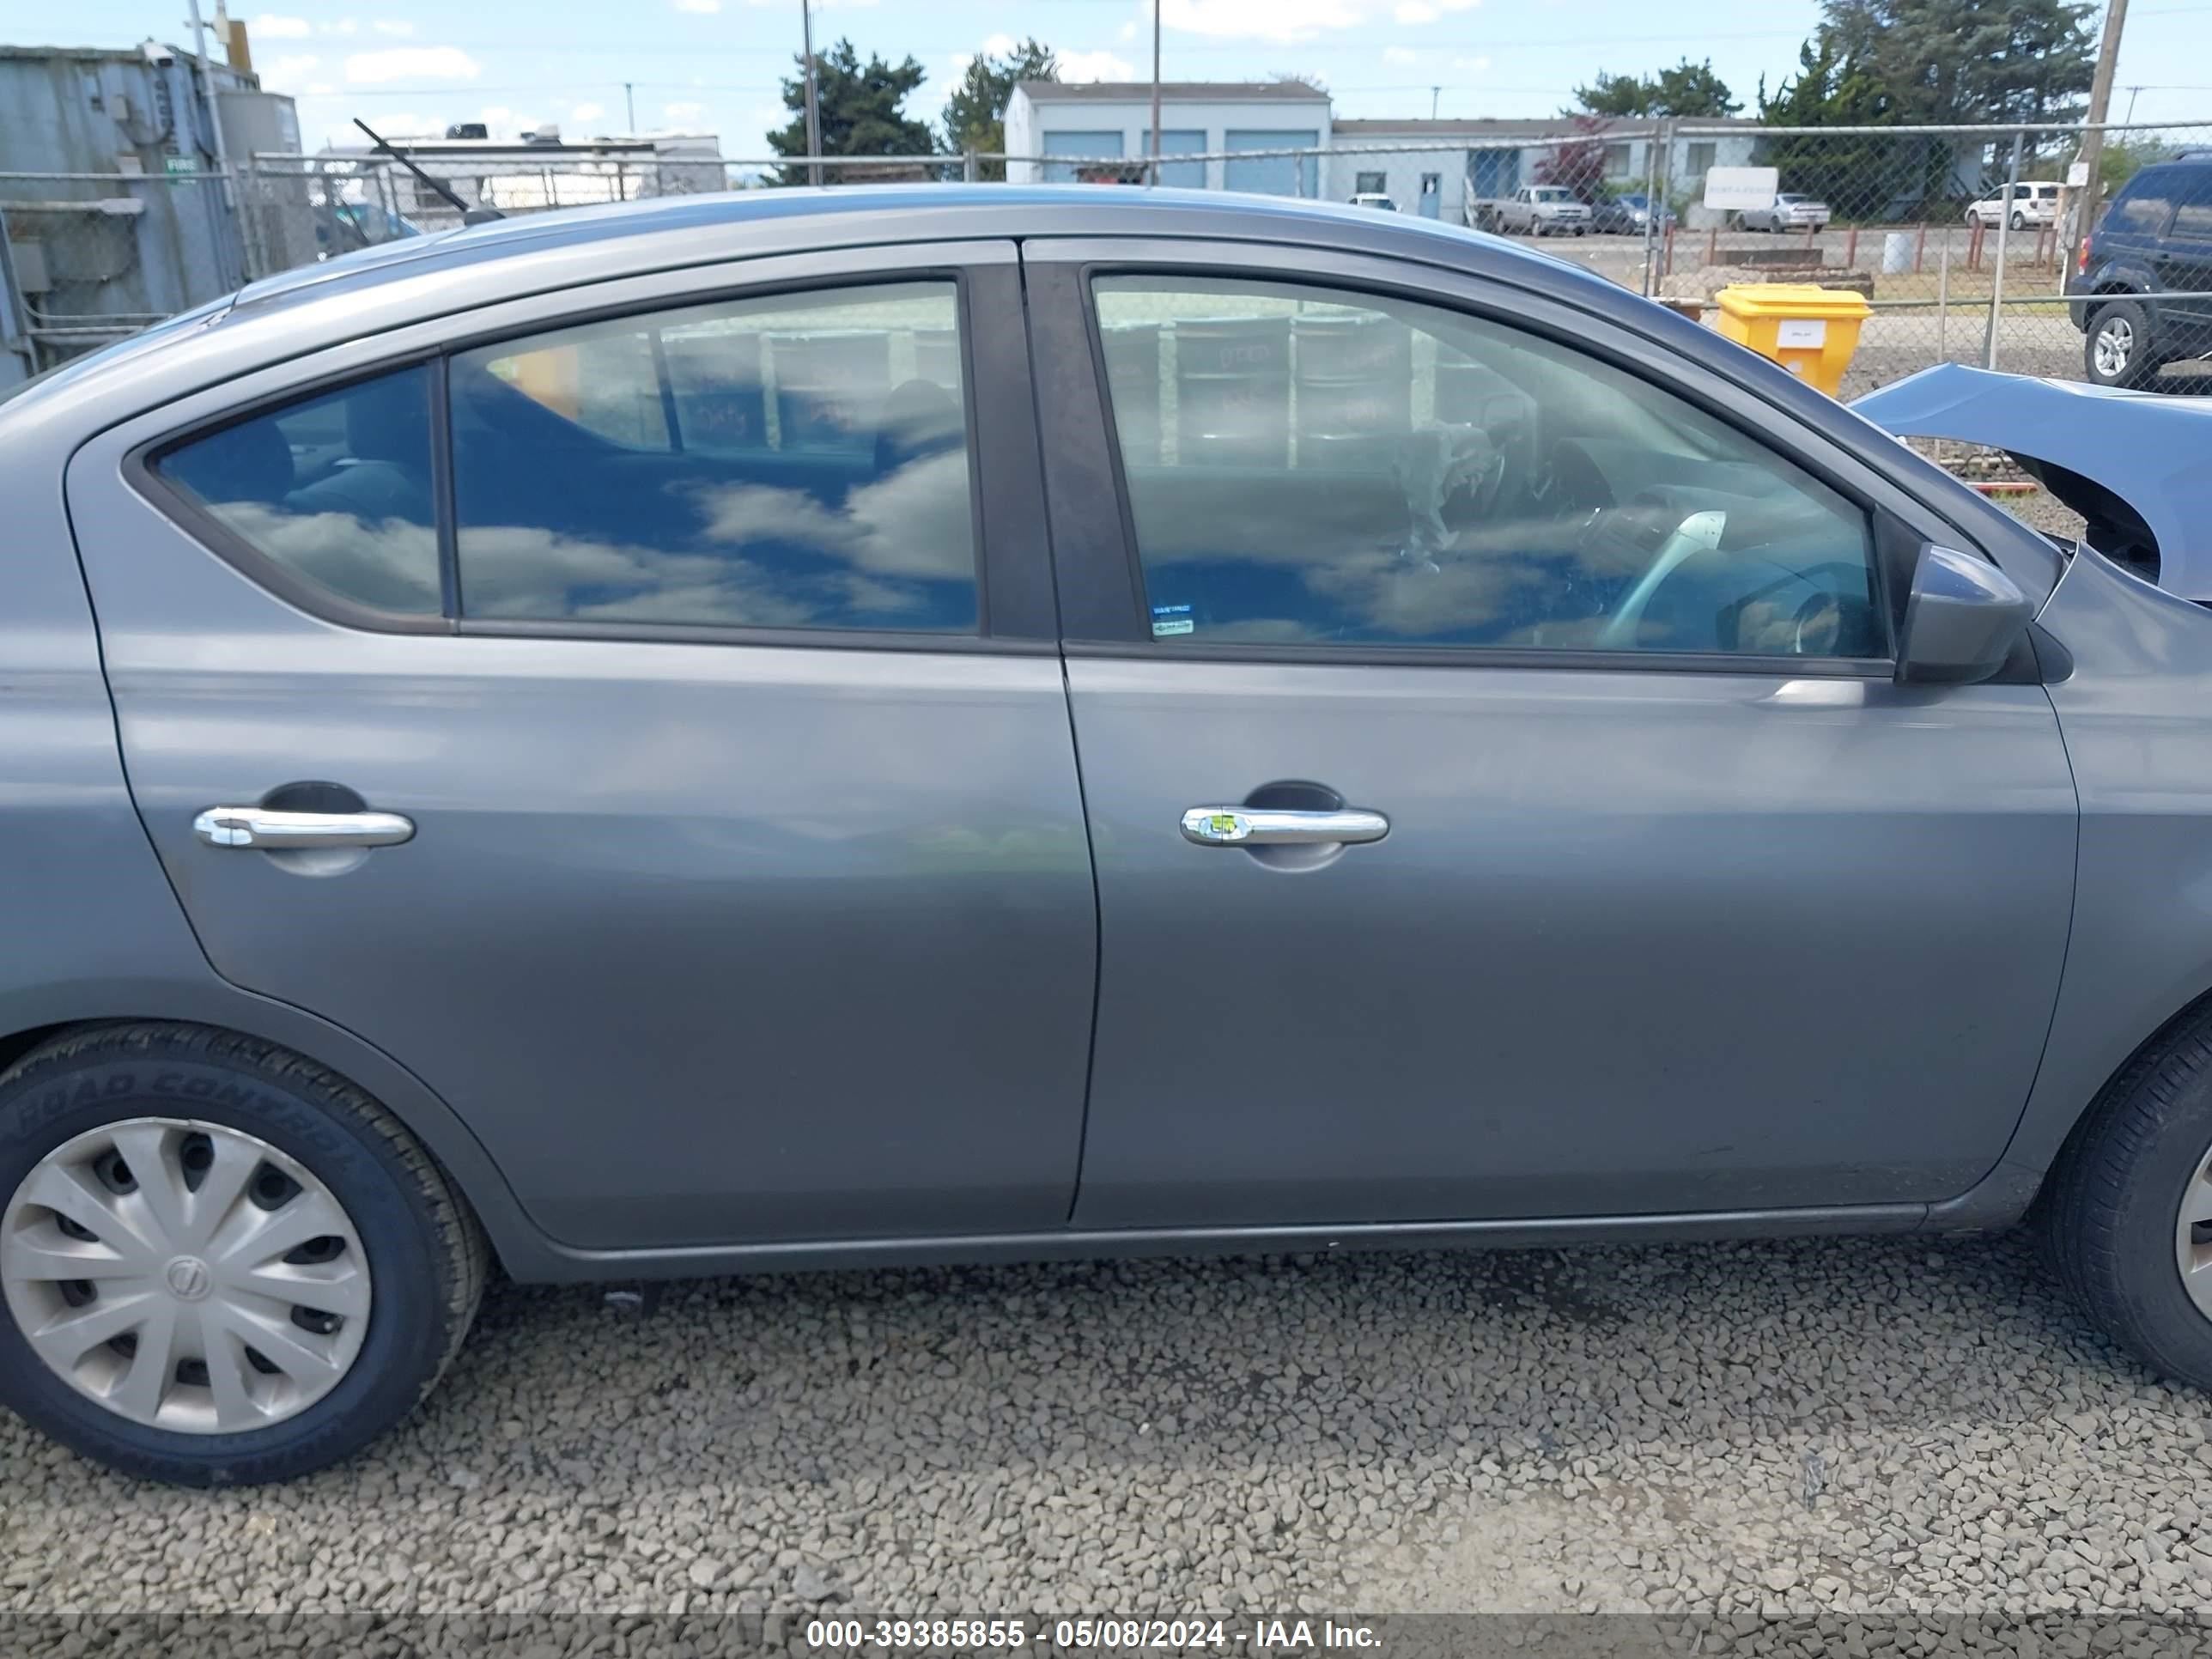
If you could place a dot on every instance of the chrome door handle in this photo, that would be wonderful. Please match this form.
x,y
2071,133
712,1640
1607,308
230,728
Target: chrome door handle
x,y
1268,826
262,827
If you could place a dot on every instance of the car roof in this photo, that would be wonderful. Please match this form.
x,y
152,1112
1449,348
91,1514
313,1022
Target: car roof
x,y
362,295
415,278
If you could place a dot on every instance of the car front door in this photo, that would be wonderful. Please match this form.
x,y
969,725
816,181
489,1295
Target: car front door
x,y
1501,799
680,684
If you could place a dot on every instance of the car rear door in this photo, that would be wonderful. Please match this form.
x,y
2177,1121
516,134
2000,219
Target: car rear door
x,y
673,661
2183,262
1450,866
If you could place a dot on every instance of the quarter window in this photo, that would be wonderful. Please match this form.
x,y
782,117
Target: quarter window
x,y
1311,467
2143,209
2192,215
336,489
793,462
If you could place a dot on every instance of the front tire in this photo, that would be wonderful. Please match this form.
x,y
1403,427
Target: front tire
x,y
157,1314
2020,222
2127,1215
2116,349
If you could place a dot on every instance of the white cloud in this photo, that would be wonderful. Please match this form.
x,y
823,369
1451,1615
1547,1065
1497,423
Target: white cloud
x,y
1400,55
680,113
703,8
1262,20
368,69
1427,11
1471,65
1094,66
268,26
398,27
586,112
1129,30
999,46
285,71
344,26
319,89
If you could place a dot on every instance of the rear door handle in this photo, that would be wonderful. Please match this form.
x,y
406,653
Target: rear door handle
x,y
1266,826
269,830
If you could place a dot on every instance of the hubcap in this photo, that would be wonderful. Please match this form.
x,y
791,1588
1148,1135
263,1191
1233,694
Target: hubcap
x,y
2116,343
184,1275
2192,1237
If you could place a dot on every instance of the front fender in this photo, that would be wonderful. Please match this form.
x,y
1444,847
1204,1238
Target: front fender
x,y
2137,716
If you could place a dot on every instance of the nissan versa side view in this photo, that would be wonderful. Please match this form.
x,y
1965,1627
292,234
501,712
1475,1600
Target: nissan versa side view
x,y
867,727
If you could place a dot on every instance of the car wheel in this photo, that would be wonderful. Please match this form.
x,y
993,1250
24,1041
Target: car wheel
x,y
2117,350
221,1263
2127,1215
2020,222
1973,218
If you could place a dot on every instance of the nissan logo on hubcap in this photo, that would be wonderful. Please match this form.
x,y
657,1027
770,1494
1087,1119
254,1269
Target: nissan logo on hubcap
x,y
189,1278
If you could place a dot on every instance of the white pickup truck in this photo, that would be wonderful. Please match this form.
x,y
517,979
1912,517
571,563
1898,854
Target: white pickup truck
x,y
1533,210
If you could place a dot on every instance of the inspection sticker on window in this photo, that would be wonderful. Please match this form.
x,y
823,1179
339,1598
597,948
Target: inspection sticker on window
x,y
1801,331
1169,619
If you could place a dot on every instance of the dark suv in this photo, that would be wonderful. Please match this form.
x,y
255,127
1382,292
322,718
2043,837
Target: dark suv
x,y
2152,253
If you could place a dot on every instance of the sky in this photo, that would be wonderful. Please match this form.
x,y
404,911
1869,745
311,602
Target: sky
x,y
414,66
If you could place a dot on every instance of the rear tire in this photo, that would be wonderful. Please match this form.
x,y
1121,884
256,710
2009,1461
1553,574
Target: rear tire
x,y
390,1224
2116,348
2115,1214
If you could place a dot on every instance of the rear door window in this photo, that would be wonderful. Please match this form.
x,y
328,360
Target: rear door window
x,y
797,461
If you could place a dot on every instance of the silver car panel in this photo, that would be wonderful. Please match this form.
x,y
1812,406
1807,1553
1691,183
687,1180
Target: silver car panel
x,y
1623,945
225,685
654,889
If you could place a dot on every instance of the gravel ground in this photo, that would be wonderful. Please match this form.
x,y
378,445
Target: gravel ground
x,y
1870,1425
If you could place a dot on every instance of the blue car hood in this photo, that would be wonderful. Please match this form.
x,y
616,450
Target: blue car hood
x,y
2133,463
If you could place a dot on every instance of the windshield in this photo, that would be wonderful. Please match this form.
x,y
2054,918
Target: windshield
x,y
1555,193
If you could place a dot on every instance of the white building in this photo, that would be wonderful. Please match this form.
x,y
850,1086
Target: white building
x,y
1466,159
1110,119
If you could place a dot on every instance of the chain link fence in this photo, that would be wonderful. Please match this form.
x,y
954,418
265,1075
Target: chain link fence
x,y
1963,240
88,258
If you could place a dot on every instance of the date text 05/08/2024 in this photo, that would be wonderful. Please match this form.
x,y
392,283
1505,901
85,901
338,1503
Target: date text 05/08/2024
x,y
1088,1635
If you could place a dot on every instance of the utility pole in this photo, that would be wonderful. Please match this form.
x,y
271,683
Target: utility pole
x,y
629,109
813,104
1435,93
2133,92
1152,177
2100,100
210,101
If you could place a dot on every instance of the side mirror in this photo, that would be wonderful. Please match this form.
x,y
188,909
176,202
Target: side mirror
x,y
1963,620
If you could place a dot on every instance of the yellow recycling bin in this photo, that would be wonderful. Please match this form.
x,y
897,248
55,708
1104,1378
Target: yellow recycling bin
x,y
1809,329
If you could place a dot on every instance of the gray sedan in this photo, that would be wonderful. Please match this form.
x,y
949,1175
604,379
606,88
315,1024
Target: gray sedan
x,y
791,730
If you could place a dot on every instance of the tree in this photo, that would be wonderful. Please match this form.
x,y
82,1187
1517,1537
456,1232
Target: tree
x,y
1858,175
1967,61
1577,162
1688,89
975,114
860,110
